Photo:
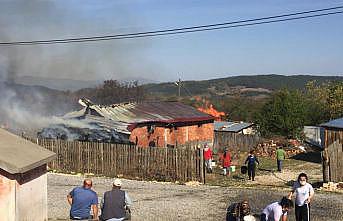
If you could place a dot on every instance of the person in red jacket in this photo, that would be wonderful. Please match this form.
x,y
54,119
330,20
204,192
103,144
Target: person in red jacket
x,y
208,158
226,162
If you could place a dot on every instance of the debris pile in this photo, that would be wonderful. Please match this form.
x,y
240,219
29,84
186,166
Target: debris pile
x,y
331,186
92,134
269,147
192,183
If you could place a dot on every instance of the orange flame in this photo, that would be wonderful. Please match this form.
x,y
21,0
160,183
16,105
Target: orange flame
x,y
209,109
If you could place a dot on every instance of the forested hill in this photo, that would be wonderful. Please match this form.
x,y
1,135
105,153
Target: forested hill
x,y
270,82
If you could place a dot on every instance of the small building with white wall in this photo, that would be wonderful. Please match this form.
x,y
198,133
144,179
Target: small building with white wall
x,y
23,179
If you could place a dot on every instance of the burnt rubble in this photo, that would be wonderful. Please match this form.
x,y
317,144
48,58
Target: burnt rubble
x,y
92,134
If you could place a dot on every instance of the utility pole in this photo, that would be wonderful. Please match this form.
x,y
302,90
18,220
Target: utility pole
x,y
178,83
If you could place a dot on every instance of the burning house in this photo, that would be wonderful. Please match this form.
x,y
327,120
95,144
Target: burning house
x,y
145,124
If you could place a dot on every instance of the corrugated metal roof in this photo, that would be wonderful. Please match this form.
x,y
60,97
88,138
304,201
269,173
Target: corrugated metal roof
x,y
127,115
18,155
150,111
231,126
337,123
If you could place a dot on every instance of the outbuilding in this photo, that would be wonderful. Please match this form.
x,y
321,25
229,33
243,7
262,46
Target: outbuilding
x,y
237,136
23,179
333,151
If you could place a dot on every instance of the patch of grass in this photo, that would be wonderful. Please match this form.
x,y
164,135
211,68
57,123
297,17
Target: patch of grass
x,y
267,167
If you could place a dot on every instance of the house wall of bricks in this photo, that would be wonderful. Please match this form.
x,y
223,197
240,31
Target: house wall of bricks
x,y
172,136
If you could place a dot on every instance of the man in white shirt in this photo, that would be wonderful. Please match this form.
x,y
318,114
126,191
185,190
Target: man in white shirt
x,y
303,195
277,211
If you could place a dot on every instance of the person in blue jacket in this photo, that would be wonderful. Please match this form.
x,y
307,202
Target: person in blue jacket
x,y
251,161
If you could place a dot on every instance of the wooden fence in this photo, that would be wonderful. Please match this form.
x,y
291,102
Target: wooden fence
x,y
235,141
162,164
332,155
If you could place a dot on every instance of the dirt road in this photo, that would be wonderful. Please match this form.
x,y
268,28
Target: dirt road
x,y
165,201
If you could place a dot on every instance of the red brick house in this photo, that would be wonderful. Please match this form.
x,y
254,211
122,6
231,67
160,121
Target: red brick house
x,y
146,124
170,123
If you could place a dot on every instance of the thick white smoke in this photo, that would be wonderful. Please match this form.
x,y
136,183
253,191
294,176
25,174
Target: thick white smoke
x,y
30,108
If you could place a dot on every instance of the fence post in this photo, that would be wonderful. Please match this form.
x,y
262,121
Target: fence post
x,y
176,164
202,168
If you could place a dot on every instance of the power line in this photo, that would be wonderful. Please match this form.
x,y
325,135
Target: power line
x,y
210,27
184,87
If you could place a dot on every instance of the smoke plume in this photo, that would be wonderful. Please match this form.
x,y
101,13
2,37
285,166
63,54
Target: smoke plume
x,y
37,20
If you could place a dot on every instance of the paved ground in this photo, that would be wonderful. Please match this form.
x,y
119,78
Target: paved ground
x,y
165,201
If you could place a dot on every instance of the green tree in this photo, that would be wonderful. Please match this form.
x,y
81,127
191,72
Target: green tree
x,y
283,115
324,101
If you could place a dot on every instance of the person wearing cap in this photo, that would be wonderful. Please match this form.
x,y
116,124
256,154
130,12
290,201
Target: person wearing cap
x,y
115,203
82,200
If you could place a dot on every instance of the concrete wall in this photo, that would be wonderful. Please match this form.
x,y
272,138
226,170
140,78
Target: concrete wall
x,y
171,136
32,200
23,197
7,197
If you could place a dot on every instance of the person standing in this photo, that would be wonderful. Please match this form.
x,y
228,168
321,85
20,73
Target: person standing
x,y
303,196
280,157
208,158
115,203
251,161
82,200
226,162
276,211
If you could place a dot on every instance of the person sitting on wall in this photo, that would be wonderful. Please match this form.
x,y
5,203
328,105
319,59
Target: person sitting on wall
x,y
82,200
116,203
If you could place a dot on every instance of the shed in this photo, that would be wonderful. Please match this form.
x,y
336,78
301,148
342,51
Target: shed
x,y
233,127
314,135
237,136
23,179
333,151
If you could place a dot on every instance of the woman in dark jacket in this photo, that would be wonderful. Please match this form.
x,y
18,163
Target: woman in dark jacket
x,y
251,161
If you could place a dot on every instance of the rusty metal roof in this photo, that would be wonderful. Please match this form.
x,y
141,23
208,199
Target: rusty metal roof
x,y
18,155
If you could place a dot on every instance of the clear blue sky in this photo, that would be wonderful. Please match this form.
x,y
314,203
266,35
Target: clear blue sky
x,y
312,46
